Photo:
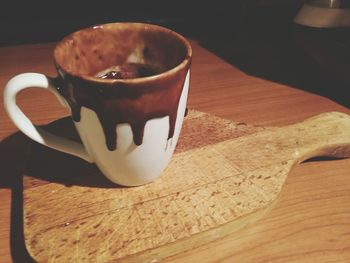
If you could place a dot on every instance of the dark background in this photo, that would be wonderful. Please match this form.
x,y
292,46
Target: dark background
x,y
36,21
258,36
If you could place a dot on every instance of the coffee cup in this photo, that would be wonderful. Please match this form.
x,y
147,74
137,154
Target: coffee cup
x,y
126,86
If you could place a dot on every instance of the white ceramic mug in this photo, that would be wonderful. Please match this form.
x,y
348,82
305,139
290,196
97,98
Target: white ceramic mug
x,y
129,127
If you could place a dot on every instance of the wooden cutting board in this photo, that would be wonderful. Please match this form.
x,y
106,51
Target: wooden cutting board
x,y
223,176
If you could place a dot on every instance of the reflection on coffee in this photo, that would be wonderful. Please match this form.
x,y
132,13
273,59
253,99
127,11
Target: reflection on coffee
x,y
128,71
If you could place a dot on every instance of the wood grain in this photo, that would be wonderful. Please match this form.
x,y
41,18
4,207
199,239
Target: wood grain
x,y
311,220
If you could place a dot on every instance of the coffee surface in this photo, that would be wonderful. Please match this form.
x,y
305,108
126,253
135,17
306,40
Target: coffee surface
x,y
128,71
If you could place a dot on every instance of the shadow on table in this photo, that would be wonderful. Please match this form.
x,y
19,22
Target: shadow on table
x,y
50,165
20,158
12,154
267,44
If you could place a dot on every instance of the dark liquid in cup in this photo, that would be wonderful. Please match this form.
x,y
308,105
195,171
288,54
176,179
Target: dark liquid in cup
x,y
128,71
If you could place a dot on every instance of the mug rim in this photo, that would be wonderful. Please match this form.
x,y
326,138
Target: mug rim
x,y
184,63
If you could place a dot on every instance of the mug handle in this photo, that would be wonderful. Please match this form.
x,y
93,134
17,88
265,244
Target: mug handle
x,y
26,80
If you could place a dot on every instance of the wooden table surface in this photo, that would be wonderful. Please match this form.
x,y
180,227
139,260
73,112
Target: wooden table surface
x,y
311,221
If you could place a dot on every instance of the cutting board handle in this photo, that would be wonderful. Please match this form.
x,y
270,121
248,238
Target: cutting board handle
x,y
327,134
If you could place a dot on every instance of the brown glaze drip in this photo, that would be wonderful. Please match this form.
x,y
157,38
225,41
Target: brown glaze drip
x,y
133,103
